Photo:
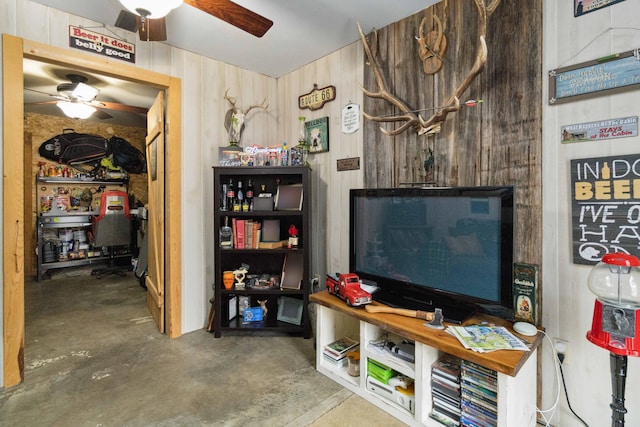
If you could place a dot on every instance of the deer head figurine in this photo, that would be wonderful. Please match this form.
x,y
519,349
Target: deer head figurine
x,y
411,117
234,119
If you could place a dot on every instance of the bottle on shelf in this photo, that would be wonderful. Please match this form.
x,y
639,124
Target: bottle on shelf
x,y
223,198
231,195
300,152
285,154
226,235
249,194
237,207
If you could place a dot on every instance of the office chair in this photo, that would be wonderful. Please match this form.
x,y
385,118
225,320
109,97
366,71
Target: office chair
x,y
112,228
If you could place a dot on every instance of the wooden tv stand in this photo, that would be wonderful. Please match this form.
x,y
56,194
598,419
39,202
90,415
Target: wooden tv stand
x,y
516,369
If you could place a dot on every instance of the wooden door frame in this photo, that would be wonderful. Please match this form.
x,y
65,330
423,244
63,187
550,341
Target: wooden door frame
x,y
14,51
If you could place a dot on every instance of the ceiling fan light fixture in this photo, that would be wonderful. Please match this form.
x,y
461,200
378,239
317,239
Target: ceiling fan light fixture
x,y
151,9
76,110
84,92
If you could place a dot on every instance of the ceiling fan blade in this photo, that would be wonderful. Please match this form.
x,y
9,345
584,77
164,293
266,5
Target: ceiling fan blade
x,y
234,14
153,30
119,107
42,103
101,114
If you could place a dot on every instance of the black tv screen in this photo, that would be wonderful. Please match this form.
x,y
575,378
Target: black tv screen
x,y
427,248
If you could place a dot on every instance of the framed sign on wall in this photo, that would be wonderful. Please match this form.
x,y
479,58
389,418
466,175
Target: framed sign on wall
x,y
611,74
317,131
605,207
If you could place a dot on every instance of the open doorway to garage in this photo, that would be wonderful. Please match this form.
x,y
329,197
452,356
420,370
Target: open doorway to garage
x,y
15,50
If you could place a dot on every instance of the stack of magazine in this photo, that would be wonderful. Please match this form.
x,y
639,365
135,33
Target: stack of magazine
x,y
336,352
485,338
445,391
478,395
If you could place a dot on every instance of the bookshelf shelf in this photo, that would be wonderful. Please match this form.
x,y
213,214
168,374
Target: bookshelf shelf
x,y
228,303
515,370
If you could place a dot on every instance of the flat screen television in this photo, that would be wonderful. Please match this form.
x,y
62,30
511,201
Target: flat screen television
x,y
427,248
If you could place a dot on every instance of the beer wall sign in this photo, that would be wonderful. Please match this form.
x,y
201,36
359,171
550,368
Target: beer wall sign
x,y
89,41
605,199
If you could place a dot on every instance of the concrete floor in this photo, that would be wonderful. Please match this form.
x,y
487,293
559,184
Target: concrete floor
x,y
94,357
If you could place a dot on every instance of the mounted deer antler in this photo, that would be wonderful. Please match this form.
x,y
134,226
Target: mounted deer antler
x,y
411,117
234,119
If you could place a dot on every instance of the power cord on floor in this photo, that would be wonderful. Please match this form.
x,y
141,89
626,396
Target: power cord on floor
x,y
558,358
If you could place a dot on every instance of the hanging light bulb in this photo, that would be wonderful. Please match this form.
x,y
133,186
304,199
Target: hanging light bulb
x,y
151,9
76,110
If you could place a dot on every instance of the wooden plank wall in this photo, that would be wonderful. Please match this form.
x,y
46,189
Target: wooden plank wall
x,y
497,143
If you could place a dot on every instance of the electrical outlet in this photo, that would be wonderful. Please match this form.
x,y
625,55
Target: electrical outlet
x,y
561,347
315,283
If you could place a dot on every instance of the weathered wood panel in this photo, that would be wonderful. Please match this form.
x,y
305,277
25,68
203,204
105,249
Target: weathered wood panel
x,y
497,143
378,159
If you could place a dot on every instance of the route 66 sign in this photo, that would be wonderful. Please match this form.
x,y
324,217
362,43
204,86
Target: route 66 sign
x,y
316,99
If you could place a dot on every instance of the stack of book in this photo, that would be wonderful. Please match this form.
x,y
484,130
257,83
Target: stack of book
x,y
445,390
246,233
479,395
336,352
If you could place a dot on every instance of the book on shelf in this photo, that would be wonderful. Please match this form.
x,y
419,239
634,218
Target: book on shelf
x,y
525,293
468,386
248,234
445,386
485,396
272,245
256,234
445,390
443,419
450,403
478,417
292,271
445,397
447,366
341,347
470,405
467,365
448,410
470,368
234,230
480,379
332,356
240,232
335,361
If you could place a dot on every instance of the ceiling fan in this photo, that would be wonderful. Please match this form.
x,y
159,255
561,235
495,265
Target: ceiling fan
x,y
150,15
77,100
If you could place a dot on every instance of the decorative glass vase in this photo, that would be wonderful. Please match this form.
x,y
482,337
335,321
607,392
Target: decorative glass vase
x,y
300,153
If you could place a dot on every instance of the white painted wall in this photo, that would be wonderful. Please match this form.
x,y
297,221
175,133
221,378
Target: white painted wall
x,y
330,188
567,302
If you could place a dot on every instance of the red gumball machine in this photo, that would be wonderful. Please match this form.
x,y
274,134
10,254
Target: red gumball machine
x,y
615,280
